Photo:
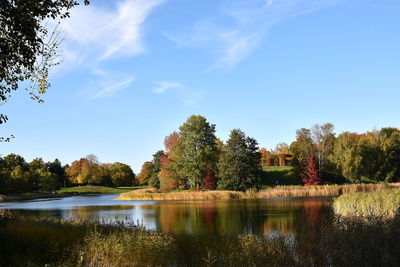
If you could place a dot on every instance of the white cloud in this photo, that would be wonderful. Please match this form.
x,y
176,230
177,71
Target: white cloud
x,y
161,87
242,27
186,95
108,84
103,33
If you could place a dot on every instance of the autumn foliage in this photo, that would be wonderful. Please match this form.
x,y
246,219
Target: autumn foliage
x,y
310,174
209,181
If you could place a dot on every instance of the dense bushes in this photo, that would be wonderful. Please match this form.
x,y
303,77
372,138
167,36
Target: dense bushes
x,y
17,176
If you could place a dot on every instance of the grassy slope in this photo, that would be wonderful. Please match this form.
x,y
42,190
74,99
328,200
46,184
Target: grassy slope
x,y
282,175
97,190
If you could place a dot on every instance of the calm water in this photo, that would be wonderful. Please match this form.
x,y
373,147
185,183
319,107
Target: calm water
x,y
287,215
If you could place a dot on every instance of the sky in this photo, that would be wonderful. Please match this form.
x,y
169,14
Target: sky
x,y
133,71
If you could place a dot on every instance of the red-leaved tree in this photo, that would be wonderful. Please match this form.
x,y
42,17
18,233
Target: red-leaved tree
x,y
310,172
209,181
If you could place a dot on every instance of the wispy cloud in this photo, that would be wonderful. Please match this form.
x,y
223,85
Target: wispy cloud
x,y
109,84
186,95
249,22
95,34
103,33
161,87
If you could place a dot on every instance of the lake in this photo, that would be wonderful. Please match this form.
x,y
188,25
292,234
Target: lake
x,y
260,216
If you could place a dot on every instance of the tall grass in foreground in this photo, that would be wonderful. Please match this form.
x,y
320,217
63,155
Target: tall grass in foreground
x,y
382,204
37,242
279,191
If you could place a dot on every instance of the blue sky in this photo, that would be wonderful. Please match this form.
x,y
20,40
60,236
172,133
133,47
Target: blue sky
x,y
134,70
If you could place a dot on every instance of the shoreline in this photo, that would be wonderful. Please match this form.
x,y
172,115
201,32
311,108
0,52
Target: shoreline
x,y
279,191
13,198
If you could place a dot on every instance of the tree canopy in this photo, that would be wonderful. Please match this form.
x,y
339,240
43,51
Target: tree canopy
x,y
28,48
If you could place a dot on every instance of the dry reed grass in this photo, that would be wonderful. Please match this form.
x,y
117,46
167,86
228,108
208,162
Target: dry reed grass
x,y
383,205
279,191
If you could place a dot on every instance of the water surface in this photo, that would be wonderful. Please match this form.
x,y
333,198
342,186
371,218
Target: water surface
x,y
262,216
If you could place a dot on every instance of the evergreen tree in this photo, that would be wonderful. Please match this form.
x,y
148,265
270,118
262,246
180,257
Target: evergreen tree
x,y
239,166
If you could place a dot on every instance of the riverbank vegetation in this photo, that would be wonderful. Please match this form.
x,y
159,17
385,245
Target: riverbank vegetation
x,y
28,241
97,190
380,204
19,177
195,158
273,192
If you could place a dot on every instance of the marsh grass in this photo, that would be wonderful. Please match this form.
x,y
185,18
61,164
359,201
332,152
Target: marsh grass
x,y
27,241
367,205
279,191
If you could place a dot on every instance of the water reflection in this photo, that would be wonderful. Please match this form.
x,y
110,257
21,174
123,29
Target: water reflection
x,y
287,215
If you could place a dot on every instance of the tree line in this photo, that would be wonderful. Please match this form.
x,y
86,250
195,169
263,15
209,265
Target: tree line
x,y
18,176
373,156
195,158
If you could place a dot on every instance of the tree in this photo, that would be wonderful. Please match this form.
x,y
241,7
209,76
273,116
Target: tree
x,y
239,166
21,180
93,159
310,172
143,178
154,179
56,168
282,150
357,156
27,48
209,181
169,176
323,139
302,147
199,150
389,142
79,172
121,174
47,181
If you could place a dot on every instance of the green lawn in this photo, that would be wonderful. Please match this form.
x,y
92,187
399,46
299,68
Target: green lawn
x,y
283,175
97,189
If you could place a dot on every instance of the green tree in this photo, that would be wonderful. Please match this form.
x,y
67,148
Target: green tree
x,y
357,156
239,166
154,179
121,174
47,181
27,47
302,147
199,150
56,168
389,142
143,178
8,164
21,180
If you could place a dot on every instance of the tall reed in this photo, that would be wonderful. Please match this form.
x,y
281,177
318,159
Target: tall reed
x,y
279,191
380,204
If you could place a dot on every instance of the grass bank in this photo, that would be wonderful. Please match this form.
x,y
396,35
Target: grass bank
x,y
70,191
282,175
97,189
380,204
279,191
28,241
